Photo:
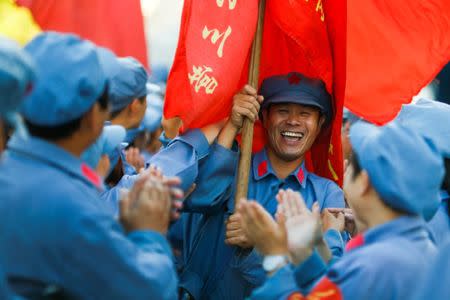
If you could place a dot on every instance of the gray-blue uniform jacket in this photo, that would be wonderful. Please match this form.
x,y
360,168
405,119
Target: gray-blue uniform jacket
x,y
382,263
57,231
209,268
440,223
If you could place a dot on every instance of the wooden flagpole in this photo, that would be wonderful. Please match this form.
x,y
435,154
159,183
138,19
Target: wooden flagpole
x,y
247,128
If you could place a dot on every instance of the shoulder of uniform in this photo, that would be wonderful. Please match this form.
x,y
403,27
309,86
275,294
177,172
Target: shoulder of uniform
x,y
322,181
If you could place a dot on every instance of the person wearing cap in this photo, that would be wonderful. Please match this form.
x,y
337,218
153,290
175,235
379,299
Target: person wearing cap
x,y
128,94
145,139
431,119
17,76
294,111
55,230
97,155
384,261
347,121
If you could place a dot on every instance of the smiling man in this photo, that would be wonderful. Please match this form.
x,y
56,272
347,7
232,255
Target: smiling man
x,y
293,109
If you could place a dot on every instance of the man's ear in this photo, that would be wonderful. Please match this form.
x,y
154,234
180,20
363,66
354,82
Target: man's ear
x,y
322,120
364,182
134,105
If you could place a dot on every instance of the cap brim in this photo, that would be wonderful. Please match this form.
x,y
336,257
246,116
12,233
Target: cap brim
x,y
113,135
298,98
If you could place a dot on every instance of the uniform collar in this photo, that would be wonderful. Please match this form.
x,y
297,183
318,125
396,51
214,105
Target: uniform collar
x,y
262,168
51,154
403,226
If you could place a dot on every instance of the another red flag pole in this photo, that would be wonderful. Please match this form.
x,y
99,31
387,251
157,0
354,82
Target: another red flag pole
x,y
247,128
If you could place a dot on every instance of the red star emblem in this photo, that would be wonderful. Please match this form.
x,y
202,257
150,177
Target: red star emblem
x,y
294,79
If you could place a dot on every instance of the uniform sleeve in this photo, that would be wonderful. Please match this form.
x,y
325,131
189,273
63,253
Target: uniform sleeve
x,y
109,265
180,158
215,180
277,286
334,196
282,286
335,242
249,263
310,271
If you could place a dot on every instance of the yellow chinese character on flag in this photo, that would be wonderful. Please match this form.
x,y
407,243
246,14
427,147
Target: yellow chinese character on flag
x,y
201,79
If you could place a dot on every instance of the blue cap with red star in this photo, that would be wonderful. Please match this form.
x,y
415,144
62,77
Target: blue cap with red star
x,y
297,88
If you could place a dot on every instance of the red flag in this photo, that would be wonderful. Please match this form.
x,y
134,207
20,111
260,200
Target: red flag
x,y
394,48
212,52
117,25
202,80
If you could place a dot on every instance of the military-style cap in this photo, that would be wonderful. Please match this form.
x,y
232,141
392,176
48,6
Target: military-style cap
x,y
112,136
297,88
17,76
404,168
154,111
430,119
70,81
127,81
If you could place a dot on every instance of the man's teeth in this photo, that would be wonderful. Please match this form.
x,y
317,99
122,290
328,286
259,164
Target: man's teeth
x,y
292,134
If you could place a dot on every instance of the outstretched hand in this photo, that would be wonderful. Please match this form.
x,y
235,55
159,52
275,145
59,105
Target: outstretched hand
x,y
303,227
268,236
149,204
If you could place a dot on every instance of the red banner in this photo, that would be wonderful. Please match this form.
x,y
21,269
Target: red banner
x,y
211,63
215,38
117,25
394,48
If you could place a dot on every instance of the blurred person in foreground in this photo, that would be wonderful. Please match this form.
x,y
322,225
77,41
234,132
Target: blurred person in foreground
x,y
431,119
384,260
55,230
17,76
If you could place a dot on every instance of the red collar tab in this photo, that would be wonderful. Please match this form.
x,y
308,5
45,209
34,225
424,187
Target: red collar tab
x,y
301,175
90,175
296,296
327,290
355,242
262,168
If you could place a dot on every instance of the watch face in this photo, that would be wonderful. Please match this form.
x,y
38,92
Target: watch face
x,y
273,262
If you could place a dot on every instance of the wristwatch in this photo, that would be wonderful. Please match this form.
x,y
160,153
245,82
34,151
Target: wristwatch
x,y
272,263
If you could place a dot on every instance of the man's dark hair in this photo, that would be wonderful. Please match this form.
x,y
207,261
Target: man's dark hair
x,y
55,133
355,163
446,182
116,113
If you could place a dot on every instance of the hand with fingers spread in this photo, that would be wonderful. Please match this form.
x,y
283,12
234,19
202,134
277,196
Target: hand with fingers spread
x,y
246,104
268,236
235,234
148,206
173,184
303,227
134,158
333,220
